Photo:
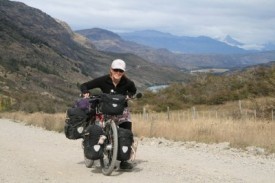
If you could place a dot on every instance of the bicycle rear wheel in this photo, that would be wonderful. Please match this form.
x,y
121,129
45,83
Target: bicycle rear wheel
x,y
108,161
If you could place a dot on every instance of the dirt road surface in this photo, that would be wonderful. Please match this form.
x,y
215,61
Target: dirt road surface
x,y
33,155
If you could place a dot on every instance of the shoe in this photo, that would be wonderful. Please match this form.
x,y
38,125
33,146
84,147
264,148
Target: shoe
x,y
125,165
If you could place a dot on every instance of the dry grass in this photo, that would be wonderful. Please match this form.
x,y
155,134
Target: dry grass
x,y
239,133
52,122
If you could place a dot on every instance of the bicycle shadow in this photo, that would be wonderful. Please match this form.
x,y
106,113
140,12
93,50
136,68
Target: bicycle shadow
x,y
137,167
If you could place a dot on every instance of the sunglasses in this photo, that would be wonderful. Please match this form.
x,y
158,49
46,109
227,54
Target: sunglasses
x,y
118,70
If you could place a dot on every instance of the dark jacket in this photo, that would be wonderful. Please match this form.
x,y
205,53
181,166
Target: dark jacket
x,y
124,87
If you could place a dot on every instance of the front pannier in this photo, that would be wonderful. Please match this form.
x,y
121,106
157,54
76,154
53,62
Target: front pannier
x,y
93,150
112,104
75,123
125,141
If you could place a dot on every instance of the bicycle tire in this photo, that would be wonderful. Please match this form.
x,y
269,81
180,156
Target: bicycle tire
x,y
88,162
109,159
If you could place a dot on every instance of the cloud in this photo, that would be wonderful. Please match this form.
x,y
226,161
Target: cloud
x,y
251,22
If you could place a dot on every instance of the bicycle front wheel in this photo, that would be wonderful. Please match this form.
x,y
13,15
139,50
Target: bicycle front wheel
x,y
88,162
108,161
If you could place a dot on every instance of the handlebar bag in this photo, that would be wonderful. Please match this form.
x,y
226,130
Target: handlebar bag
x,y
112,104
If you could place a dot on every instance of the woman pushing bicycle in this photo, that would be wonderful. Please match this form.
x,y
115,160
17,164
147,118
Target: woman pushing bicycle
x,y
115,82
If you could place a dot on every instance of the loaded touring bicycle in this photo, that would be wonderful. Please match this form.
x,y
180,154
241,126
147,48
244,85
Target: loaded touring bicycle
x,y
103,140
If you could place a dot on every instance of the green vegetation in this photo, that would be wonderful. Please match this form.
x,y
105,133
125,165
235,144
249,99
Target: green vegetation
x,y
5,103
34,102
209,89
11,65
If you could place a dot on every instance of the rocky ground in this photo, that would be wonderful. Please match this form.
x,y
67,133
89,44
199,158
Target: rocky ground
x,y
32,155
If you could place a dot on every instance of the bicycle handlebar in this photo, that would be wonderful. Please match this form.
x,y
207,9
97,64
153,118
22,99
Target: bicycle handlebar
x,y
98,96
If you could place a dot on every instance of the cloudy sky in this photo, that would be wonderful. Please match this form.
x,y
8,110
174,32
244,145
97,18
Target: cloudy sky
x,y
249,21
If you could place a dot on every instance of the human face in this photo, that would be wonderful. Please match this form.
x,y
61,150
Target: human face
x,y
117,73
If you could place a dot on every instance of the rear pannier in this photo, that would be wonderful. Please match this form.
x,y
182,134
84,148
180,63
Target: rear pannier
x,y
75,123
92,149
125,141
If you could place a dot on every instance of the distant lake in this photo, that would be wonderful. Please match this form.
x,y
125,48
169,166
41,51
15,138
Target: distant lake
x,y
213,70
157,87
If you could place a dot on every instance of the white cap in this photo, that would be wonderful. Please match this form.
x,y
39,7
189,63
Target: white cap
x,y
118,64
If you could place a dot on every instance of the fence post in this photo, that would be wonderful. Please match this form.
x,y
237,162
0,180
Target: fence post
x,y
144,113
194,113
168,112
240,107
151,128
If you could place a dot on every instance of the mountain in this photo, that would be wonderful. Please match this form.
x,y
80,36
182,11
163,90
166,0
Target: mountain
x,y
229,40
182,44
269,47
108,41
42,61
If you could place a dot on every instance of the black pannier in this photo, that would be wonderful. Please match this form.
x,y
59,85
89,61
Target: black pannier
x,y
112,104
125,141
93,150
75,123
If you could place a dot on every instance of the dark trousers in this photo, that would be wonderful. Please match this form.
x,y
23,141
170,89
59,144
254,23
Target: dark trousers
x,y
126,125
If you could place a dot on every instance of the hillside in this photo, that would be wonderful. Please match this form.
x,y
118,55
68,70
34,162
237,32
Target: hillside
x,y
43,61
108,41
208,89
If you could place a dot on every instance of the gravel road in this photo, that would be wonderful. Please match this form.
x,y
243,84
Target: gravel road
x,y
32,155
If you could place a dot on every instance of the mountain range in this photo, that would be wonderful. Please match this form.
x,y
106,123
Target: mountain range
x,y
182,44
106,40
192,45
